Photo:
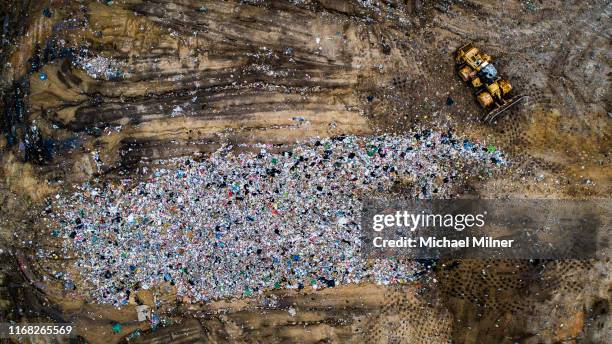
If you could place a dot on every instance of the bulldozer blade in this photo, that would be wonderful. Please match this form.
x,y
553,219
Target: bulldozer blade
x,y
494,114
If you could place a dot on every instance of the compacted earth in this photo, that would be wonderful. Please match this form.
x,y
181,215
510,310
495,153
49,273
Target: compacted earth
x,y
104,103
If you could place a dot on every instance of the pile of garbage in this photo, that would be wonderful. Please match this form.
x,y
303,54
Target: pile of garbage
x,y
235,224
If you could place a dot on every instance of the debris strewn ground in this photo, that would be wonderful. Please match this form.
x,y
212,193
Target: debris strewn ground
x,y
235,225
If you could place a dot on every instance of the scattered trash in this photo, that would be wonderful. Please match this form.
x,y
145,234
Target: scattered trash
x,y
239,224
143,312
177,110
100,67
68,285
133,335
116,327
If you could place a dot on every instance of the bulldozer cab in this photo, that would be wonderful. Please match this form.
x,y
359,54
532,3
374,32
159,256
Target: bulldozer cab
x,y
488,73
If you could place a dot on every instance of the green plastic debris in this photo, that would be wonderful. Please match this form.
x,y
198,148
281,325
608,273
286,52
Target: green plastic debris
x,y
371,150
277,285
491,148
248,291
313,282
134,334
116,327
274,161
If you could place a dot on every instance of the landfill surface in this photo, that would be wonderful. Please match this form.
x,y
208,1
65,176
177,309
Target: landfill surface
x,y
234,225
193,171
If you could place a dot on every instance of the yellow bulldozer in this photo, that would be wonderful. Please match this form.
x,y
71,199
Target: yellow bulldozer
x,y
491,91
